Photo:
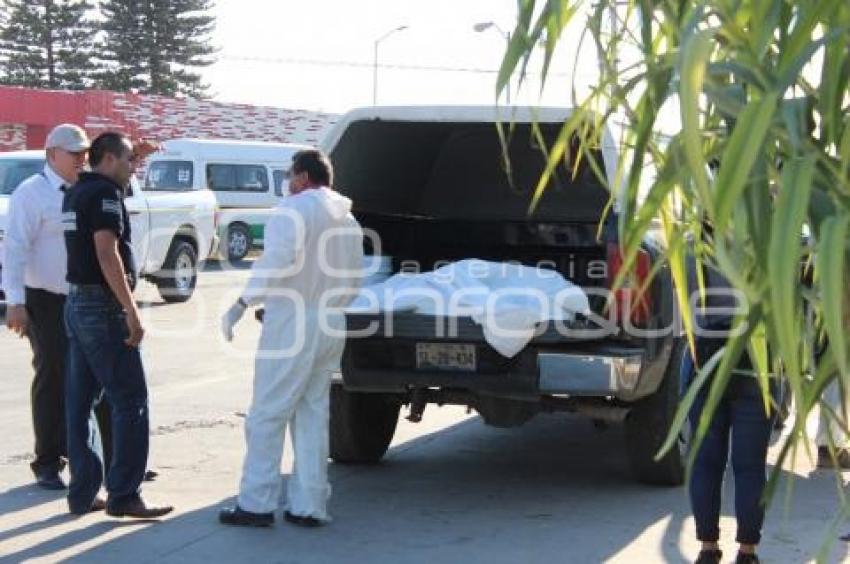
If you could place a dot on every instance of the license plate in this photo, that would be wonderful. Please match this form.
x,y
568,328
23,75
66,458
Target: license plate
x,y
438,356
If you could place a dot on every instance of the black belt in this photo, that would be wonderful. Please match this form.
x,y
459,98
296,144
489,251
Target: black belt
x,y
97,289
131,282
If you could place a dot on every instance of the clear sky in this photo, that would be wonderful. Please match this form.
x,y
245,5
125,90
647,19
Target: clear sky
x,y
318,54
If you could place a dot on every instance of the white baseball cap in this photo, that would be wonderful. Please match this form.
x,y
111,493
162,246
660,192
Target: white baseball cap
x,y
69,137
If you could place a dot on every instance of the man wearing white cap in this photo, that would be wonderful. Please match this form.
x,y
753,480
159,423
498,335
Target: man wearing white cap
x,y
34,269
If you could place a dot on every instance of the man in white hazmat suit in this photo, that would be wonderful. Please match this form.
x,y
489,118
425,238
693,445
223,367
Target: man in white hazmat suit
x,y
309,271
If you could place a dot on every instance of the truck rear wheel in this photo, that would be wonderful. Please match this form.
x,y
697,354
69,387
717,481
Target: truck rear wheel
x,y
180,268
361,425
648,425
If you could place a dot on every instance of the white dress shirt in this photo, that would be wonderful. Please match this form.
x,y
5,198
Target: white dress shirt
x,y
34,246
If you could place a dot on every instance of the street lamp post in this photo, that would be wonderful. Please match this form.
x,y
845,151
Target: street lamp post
x,y
375,62
484,26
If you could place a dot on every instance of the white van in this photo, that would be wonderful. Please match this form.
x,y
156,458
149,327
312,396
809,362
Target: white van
x,y
247,178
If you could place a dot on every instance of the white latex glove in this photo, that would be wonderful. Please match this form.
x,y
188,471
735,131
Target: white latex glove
x,y
230,318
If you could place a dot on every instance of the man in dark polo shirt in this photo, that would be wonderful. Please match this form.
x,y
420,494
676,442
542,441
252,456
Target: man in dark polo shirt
x,y
104,332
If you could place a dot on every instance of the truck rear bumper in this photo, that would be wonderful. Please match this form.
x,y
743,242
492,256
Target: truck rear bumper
x,y
592,371
588,374
386,358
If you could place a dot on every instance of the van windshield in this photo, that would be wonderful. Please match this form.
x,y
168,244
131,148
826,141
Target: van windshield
x,y
15,171
170,176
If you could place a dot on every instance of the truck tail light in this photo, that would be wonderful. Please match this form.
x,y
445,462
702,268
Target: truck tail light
x,y
632,298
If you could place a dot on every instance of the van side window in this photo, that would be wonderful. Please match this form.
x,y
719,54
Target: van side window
x,y
237,178
169,175
253,178
221,177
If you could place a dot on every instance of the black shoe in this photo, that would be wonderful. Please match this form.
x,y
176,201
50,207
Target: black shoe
x,y
97,504
50,480
746,559
840,461
138,509
302,521
709,556
238,516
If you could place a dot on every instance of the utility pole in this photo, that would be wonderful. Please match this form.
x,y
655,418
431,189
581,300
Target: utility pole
x,y
484,26
375,62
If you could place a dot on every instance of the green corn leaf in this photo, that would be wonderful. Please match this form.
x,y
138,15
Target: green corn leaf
x,y
784,257
832,251
680,419
835,74
740,155
844,148
790,74
556,154
517,47
757,350
695,56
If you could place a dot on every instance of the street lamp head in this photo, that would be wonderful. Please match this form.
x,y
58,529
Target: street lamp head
x,y
482,26
390,32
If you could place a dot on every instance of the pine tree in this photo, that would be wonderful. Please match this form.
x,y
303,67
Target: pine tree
x,y
155,45
46,43
123,48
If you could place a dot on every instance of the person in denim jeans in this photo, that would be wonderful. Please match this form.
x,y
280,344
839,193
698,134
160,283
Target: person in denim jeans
x,y
104,333
99,358
740,419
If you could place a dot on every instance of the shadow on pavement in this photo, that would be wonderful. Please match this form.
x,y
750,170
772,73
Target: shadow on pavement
x,y
150,304
25,497
223,265
66,540
555,490
58,519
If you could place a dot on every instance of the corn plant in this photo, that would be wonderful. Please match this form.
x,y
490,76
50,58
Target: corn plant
x,y
761,153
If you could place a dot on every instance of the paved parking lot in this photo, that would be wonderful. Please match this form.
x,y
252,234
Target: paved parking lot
x,y
451,489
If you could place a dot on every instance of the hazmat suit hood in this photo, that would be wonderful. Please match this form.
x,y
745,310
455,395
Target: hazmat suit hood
x,y
337,205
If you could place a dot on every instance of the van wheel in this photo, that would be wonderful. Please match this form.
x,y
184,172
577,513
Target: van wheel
x,y
648,424
180,268
361,425
238,241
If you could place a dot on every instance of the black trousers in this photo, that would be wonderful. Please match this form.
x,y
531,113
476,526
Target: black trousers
x,y
49,343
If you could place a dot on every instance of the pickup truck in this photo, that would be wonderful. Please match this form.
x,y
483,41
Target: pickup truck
x,y
172,232
432,183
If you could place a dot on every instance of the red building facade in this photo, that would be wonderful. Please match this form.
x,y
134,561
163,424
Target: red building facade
x,y
27,115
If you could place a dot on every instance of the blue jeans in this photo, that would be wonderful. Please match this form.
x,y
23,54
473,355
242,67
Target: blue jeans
x,y
741,417
100,362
